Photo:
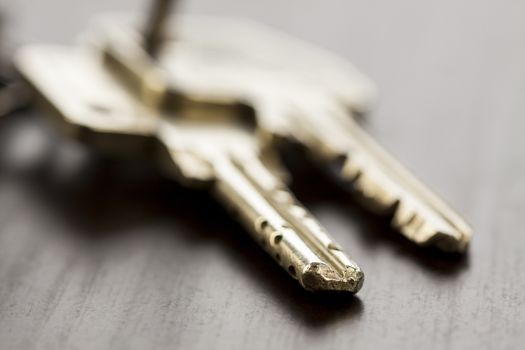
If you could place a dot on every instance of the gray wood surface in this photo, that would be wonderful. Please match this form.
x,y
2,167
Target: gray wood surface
x,y
99,253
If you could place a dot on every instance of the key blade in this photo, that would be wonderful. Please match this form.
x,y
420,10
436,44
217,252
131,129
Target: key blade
x,y
238,170
419,213
384,184
284,228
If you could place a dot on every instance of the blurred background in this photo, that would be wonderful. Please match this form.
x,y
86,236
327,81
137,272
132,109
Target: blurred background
x,y
99,252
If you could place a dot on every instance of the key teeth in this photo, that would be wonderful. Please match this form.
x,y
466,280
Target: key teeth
x,y
449,242
414,228
319,277
405,216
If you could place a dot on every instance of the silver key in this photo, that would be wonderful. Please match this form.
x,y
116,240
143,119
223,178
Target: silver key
x,y
204,146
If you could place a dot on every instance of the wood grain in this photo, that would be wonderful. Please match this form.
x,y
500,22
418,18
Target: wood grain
x,y
102,253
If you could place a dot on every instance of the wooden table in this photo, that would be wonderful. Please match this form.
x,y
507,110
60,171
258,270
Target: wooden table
x,y
99,253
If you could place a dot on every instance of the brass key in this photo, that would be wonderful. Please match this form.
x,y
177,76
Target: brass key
x,y
299,93
204,146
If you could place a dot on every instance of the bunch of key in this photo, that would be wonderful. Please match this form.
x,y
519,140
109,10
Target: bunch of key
x,y
212,99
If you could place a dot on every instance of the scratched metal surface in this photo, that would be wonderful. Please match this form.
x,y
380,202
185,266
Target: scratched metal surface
x,y
99,253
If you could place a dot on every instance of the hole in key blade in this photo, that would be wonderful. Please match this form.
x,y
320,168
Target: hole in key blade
x,y
261,224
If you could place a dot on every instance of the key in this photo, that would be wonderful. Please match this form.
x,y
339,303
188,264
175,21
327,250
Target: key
x,y
204,146
299,93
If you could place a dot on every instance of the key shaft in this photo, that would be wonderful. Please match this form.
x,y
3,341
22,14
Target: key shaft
x,y
383,184
285,229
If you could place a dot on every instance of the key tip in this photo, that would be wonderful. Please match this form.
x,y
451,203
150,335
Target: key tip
x,y
450,243
319,277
